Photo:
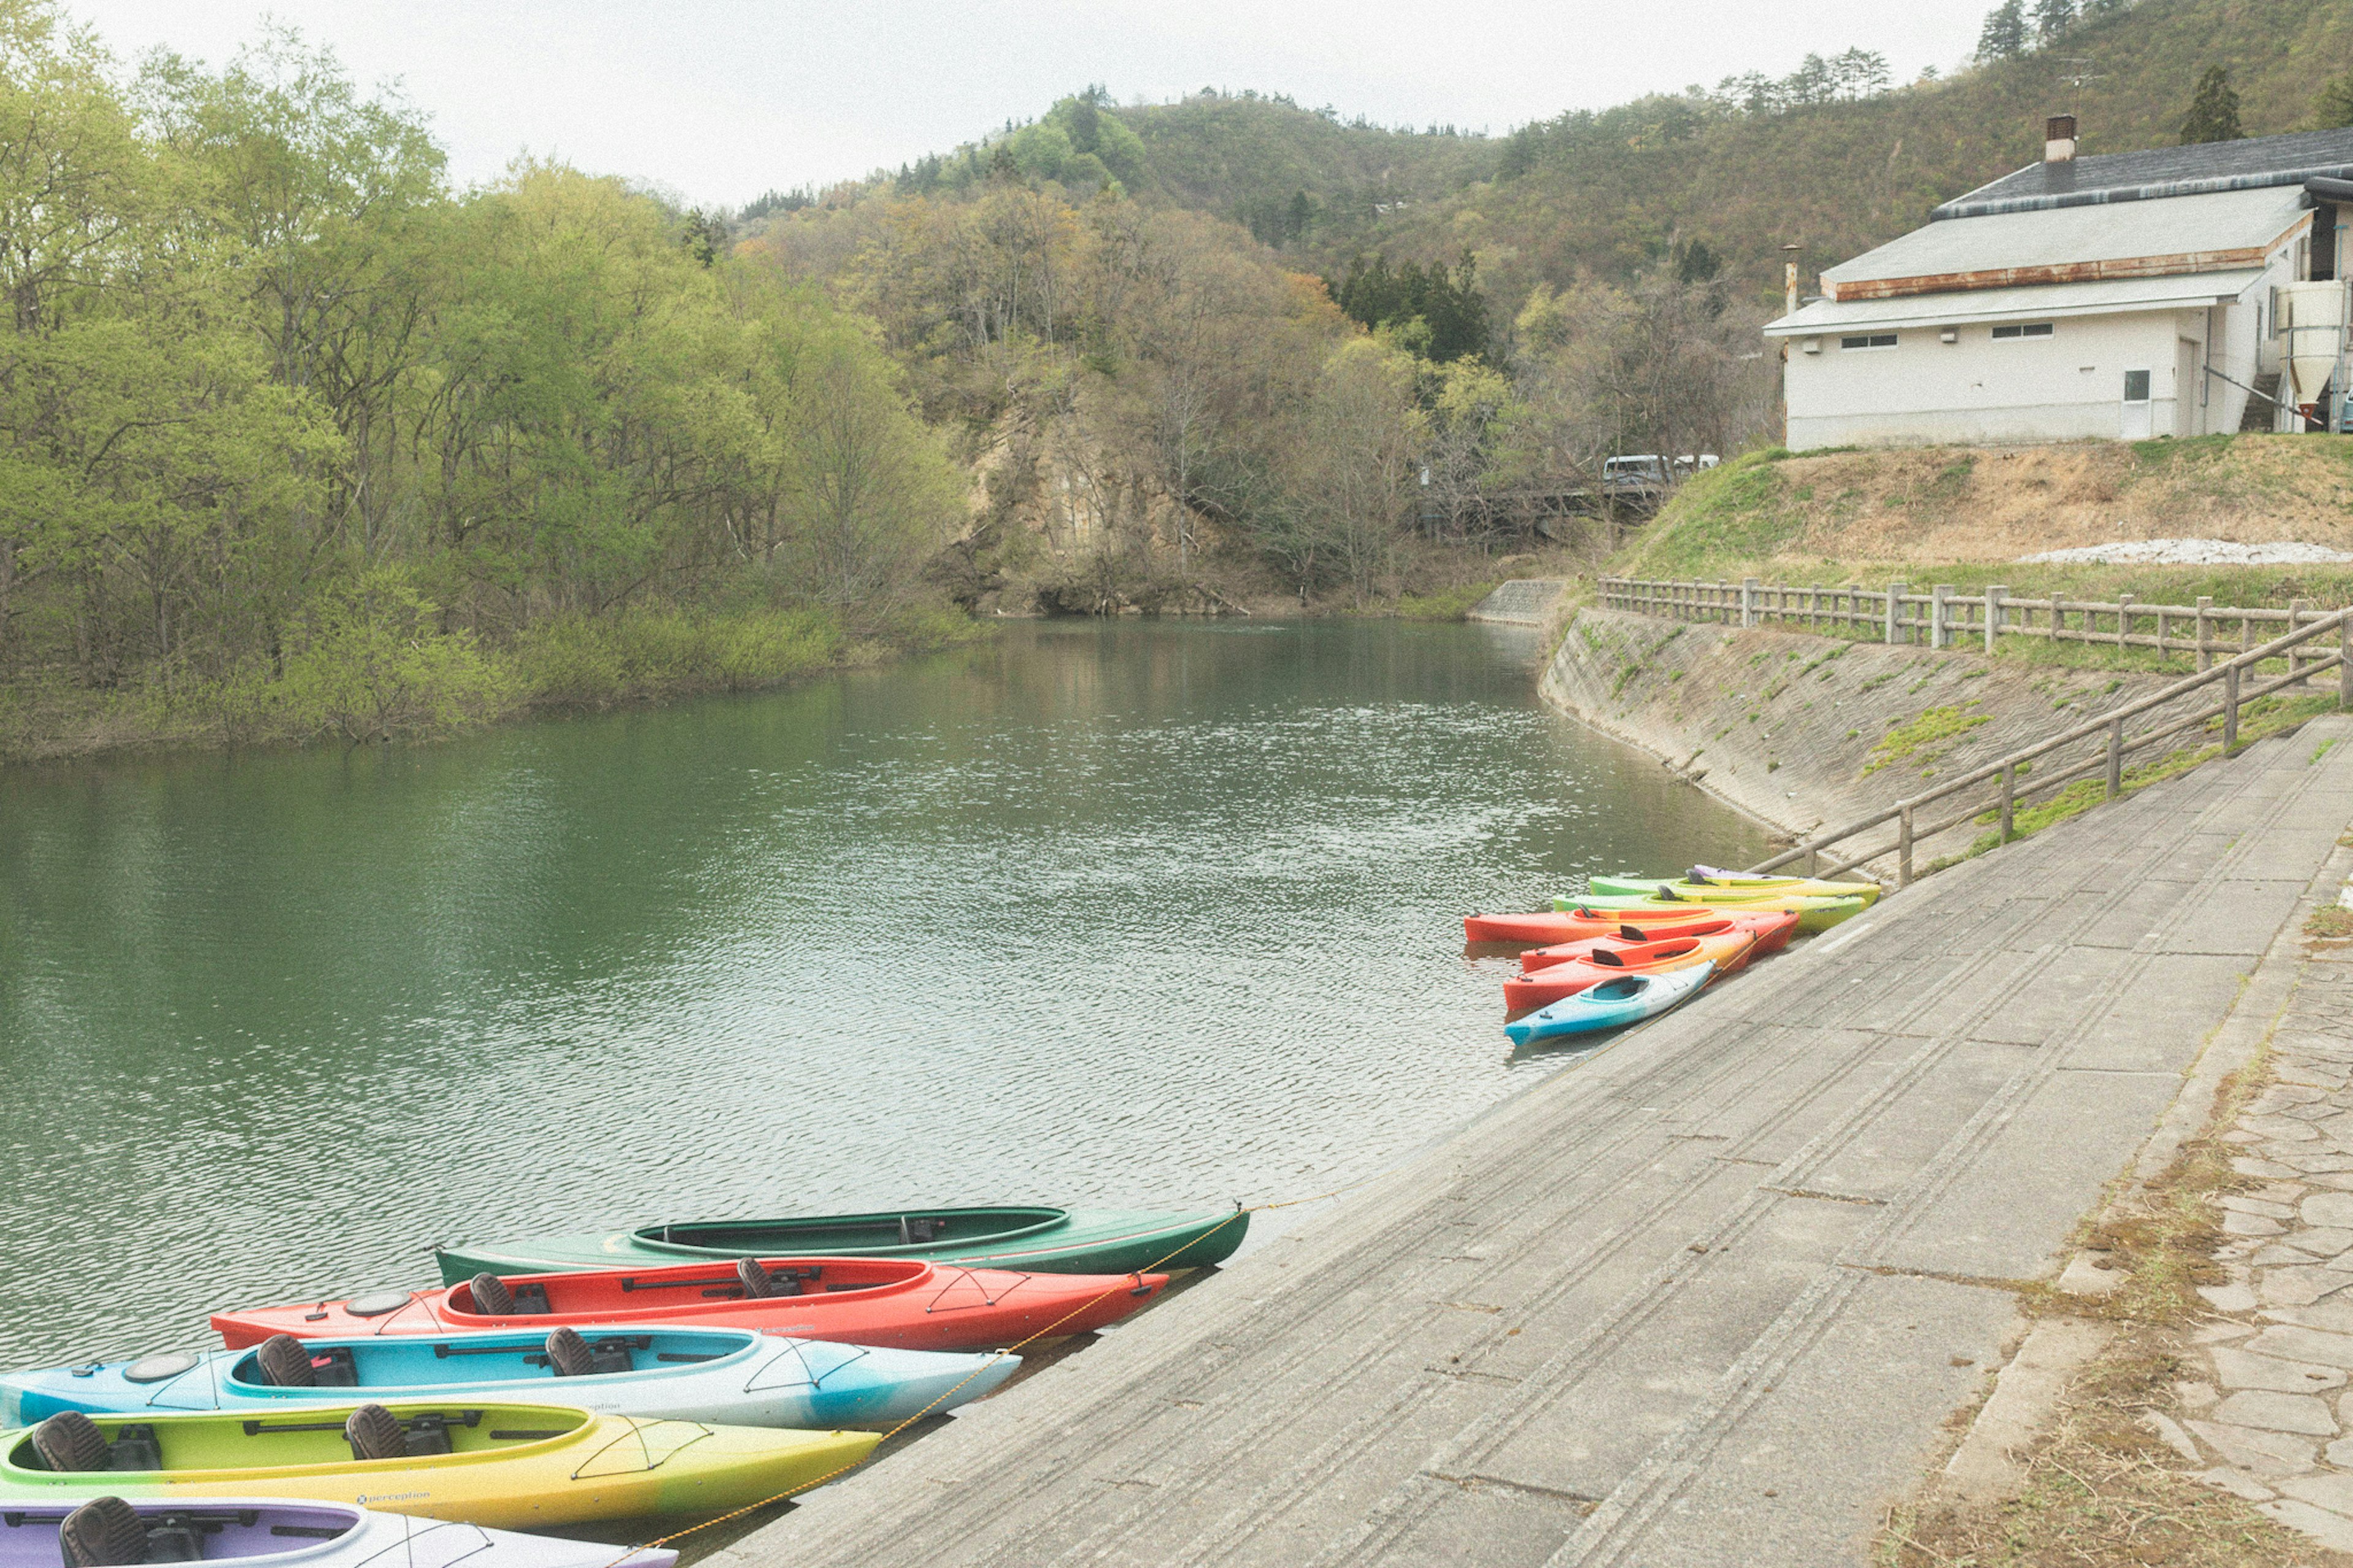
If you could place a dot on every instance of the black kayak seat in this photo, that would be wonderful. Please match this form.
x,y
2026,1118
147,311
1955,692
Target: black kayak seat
x,y
1602,955
70,1443
104,1532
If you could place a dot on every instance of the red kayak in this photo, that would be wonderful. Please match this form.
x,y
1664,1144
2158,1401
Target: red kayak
x,y
1589,963
1771,929
902,1302
1572,925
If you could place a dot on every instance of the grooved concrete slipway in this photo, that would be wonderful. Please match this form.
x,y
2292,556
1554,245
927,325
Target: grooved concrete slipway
x,y
1705,1298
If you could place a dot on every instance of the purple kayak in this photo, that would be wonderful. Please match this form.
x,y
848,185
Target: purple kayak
x,y
108,1532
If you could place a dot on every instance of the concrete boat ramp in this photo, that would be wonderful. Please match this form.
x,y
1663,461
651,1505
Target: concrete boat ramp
x,y
1705,1298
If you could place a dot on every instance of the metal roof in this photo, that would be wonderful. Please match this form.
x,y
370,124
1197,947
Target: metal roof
x,y
2187,234
2199,168
2041,302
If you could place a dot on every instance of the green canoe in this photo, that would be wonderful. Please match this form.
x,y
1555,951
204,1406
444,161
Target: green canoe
x,y
1043,1240
1815,915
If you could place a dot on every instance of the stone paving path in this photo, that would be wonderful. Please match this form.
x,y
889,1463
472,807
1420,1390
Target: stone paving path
x,y
1710,1296
2271,1415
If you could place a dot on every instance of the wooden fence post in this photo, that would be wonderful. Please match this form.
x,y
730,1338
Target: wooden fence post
x,y
1903,850
1897,631
2344,660
1939,626
1748,601
2296,608
2205,650
2229,707
2124,620
1994,595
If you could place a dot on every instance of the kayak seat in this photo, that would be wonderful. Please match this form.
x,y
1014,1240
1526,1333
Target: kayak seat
x,y
104,1532
334,1369
492,1297
1602,955
569,1355
375,1433
70,1441
285,1362
760,1285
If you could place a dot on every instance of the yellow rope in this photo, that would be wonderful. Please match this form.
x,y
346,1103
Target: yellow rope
x,y
1042,1334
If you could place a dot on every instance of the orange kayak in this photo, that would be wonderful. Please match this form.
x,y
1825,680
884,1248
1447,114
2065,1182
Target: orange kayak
x,y
1607,958
1772,929
1578,923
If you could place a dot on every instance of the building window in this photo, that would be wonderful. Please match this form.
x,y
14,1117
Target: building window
x,y
1872,341
2136,386
2023,329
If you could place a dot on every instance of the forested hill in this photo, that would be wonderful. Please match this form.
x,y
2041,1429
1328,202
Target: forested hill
x,y
1836,160
1610,192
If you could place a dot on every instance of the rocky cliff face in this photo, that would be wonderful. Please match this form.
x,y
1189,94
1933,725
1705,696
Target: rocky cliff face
x,y
1805,732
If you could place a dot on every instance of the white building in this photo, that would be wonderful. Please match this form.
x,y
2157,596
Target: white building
x,y
2171,292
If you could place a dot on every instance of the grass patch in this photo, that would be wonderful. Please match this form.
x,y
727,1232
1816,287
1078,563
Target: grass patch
x,y
1442,604
1924,736
2329,922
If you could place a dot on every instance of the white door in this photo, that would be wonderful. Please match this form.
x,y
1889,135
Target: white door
x,y
2137,413
2188,372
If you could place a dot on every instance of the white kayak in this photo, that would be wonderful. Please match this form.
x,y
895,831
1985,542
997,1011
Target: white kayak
x,y
1611,1005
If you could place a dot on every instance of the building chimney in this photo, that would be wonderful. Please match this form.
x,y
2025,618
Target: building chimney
x,y
2058,139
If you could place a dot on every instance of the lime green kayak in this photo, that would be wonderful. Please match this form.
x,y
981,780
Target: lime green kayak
x,y
1038,1240
508,1466
1815,915
1707,885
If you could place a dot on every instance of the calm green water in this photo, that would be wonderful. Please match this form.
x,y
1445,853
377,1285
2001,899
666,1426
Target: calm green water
x,y
1139,913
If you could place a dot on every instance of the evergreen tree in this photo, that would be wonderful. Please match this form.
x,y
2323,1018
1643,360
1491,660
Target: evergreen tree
x,y
2213,110
2052,17
1300,217
2334,107
2004,36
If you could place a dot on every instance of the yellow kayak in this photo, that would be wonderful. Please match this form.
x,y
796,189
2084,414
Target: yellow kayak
x,y
1814,914
509,1467
1709,885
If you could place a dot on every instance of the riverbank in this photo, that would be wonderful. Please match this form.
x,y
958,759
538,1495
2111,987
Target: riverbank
x,y
390,675
1711,1296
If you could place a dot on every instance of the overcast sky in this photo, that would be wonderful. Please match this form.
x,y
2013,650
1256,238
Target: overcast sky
x,y
720,101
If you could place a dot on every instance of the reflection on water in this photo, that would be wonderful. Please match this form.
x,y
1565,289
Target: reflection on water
x,y
1157,914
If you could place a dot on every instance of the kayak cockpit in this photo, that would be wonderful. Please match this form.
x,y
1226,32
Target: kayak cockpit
x,y
655,1290
72,1444
816,1236
109,1532
421,1364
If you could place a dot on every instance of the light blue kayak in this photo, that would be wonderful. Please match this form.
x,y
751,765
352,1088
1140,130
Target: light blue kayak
x,y
1611,1005
733,1377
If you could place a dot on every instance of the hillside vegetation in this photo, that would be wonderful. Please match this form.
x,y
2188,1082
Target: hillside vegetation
x,y
297,440
1966,515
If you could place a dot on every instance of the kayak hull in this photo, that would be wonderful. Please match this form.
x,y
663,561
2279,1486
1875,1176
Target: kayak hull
x,y
515,1467
1815,915
1725,887
1621,1002
893,1303
1772,929
1038,1240
272,1532
732,1377
1729,951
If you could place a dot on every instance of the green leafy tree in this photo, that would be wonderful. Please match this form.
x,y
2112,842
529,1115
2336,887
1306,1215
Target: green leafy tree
x,y
2052,17
2213,110
2005,36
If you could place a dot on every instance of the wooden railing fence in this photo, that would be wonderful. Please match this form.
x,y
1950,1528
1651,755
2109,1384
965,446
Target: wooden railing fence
x,y
1942,618
2013,781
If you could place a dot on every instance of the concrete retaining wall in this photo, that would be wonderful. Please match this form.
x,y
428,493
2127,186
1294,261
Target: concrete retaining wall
x,y
1790,727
